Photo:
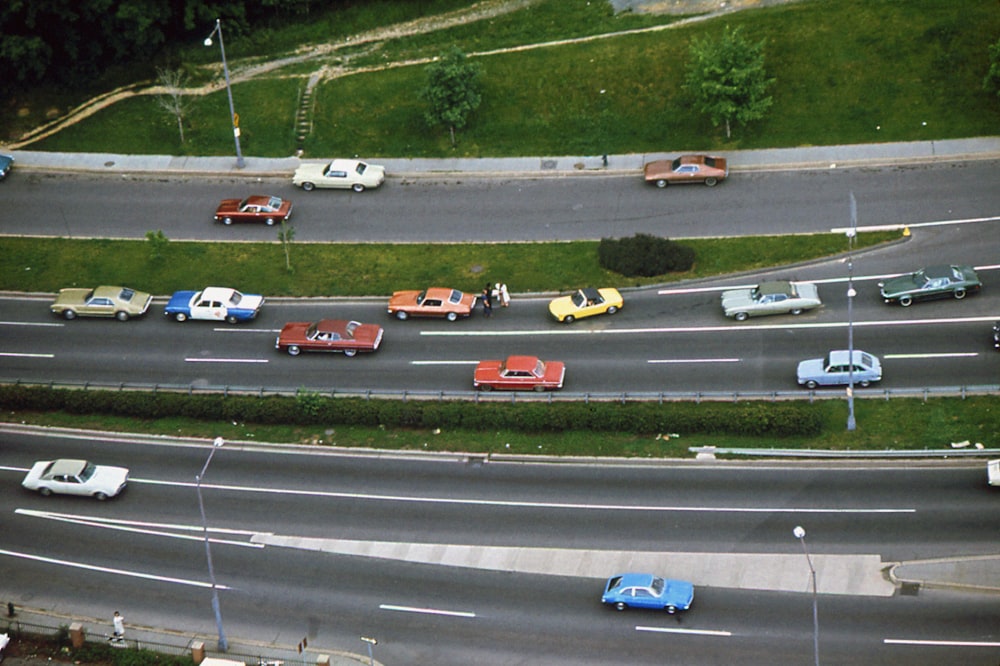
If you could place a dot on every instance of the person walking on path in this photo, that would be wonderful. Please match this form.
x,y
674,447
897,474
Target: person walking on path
x,y
504,295
487,303
119,624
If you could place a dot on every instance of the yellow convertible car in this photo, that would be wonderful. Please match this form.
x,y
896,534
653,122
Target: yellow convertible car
x,y
586,303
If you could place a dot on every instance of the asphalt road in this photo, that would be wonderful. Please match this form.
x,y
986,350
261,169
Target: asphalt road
x,y
445,615
474,208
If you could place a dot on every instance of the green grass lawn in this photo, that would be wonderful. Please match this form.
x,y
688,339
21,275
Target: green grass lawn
x,y
847,71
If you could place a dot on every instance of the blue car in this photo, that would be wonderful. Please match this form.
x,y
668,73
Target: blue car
x,y
640,590
214,304
836,369
6,161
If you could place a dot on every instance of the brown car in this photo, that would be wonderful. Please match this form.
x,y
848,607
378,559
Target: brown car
x,y
432,302
329,335
519,373
687,169
257,208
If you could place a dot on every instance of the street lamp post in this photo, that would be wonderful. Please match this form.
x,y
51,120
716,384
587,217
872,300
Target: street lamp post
x,y
229,91
851,235
800,534
223,643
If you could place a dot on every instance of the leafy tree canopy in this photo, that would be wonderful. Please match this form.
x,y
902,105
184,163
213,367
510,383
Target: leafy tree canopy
x,y
452,91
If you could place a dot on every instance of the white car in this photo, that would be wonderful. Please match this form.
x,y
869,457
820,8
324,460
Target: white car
x,y
214,304
768,298
68,476
993,472
339,174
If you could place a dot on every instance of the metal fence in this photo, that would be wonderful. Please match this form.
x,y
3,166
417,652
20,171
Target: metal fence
x,y
924,393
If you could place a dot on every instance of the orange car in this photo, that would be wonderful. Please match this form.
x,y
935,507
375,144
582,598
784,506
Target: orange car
x,y
687,169
433,302
519,373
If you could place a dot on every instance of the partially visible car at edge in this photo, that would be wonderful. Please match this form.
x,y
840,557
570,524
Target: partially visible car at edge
x,y
932,282
339,174
586,303
643,590
993,472
519,373
769,298
329,335
706,169
835,369
996,335
121,303
214,304
431,302
6,162
256,208
68,476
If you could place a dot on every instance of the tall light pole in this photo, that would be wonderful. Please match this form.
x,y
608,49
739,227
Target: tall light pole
x,y
800,534
229,91
851,235
223,643
370,642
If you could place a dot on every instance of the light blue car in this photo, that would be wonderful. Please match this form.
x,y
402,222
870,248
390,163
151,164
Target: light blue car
x,y
835,369
640,590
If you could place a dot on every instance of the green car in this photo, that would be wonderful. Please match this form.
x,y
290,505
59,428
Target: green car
x,y
121,303
931,282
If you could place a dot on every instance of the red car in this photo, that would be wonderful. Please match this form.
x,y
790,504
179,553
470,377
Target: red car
x,y
687,169
329,335
433,302
519,373
258,208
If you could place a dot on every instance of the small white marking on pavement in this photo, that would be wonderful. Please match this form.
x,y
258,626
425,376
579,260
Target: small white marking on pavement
x,y
934,355
426,611
226,360
693,360
28,323
673,630
906,641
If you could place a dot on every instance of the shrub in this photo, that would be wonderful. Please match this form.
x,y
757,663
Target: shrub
x,y
643,255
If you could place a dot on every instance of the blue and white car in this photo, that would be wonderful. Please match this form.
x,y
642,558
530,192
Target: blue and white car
x,y
835,369
642,590
6,162
214,304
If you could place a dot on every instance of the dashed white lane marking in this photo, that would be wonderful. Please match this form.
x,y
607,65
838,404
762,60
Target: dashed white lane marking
x,y
677,630
906,641
426,611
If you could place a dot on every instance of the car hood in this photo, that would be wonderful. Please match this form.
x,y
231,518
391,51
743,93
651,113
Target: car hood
x,y
737,298
898,285
109,477
249,302
562,305
812,367
71,296
294,331
228,206
401,298
679,593
311,170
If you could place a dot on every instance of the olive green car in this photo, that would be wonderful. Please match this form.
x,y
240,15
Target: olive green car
x,y
121,303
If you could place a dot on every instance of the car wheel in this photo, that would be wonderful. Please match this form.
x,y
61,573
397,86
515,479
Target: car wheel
x,y
227,221
69,314
485,387
121,316
797,311
661,183
538,389
180,316
741,316
231,319
44,492
811,384
308,187
864,383
906,301
959,294
569,319
269,221
100,497
671,609
612,309
293,350
711,181
621,605
358,187
402,316
350,352
452,316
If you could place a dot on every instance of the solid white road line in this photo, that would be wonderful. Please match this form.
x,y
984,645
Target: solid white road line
x,y
16,355
444,362
28,323
673,630
226,360
906,641
426,611
118,572
693,360
933,355
915,225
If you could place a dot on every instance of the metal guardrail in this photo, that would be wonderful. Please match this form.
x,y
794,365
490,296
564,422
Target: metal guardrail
x,y
825,453
924,393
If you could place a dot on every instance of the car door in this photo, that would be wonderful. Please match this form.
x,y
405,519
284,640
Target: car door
x,y
643,598
98,306
209,310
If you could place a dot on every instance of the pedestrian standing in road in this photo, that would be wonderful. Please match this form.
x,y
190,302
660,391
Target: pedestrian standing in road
x,y
487,303
495,294
504,295
119,624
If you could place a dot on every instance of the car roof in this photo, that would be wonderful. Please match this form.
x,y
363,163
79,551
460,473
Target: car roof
x,y
67,466
636,579
344,164
332,325
842,355
521,363
591,292
775,287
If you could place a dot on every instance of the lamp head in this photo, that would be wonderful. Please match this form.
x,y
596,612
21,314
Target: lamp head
x,y
218,442
208,41
799,532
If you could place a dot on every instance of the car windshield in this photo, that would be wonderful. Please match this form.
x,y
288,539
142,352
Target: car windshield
x,y
920,278
540,368
421,296
126,294
274,203
236,298
658,584
676,163
88,471
456,296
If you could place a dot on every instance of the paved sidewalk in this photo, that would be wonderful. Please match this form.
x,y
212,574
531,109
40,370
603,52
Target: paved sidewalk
x,y
813,157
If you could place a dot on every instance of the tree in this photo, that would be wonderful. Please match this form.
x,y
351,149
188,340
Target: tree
x,y
452,91
286,235
991,83
726,77
174,101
